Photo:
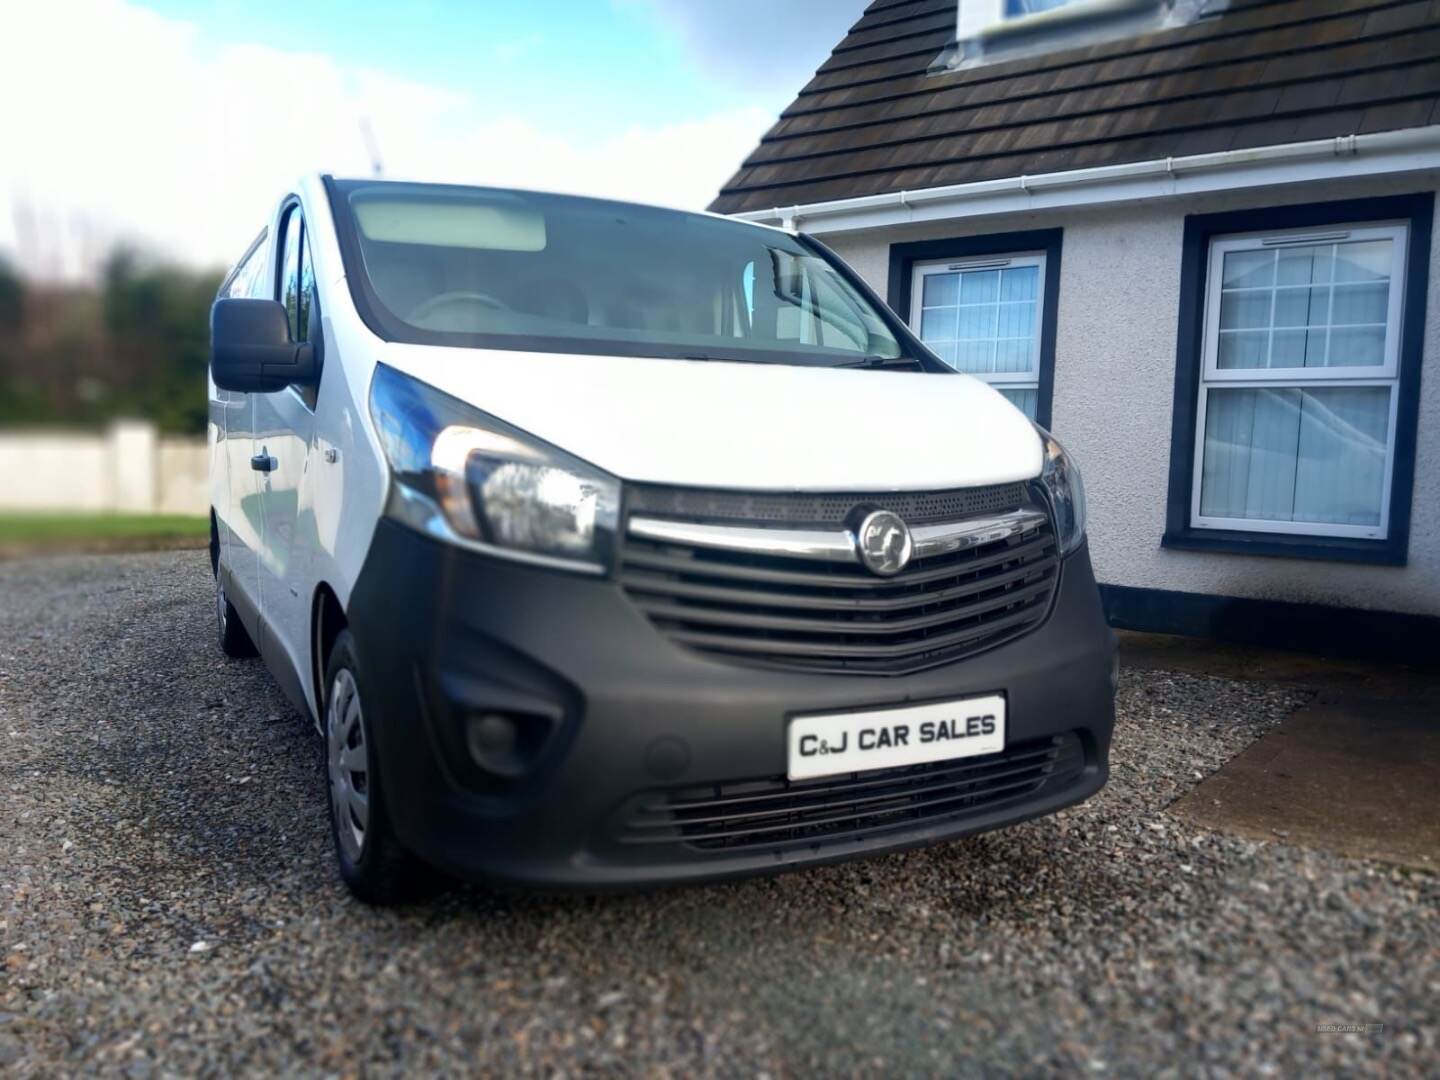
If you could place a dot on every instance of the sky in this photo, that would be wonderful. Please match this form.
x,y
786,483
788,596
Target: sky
x,y
173,125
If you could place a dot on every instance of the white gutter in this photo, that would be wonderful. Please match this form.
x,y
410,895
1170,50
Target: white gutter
x,y
1408,150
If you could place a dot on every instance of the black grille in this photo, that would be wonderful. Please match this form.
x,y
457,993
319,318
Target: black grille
x,y
830,616
776,508
775,812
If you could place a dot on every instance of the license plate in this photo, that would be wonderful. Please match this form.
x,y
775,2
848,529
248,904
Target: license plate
x,y
824,744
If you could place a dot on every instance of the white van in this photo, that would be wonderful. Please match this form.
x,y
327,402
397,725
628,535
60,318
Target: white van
x,y
610,545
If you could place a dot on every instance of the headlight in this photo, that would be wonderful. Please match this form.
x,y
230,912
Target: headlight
x,y
471,479
1062,481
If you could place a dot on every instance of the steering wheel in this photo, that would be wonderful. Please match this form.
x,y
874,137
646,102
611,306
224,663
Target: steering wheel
x,y
429,307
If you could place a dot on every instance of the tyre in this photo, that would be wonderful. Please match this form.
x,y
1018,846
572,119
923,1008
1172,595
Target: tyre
x,y
373,864
234,638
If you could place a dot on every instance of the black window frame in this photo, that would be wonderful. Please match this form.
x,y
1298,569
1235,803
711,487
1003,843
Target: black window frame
x,y
1418,212
282,253
1050,242
307,310
308,395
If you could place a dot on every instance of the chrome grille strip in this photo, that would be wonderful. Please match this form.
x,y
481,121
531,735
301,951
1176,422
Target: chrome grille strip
x,y
827,510
836,546
932,540
791,543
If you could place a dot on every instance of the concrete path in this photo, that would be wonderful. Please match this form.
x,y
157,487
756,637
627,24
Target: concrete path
x,y
1355,771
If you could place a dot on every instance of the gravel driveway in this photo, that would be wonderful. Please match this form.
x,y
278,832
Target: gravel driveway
x,y
167,905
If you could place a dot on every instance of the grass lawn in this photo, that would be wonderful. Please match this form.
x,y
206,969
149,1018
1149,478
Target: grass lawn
x,y
36,530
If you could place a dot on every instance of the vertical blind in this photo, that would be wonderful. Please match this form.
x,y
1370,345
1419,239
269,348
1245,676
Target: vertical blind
x,y
985,321
1299,387
1296,455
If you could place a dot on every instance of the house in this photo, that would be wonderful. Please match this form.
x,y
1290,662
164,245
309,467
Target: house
x,y
1196,240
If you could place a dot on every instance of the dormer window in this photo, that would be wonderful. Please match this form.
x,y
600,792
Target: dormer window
x,y
992,30
1014,9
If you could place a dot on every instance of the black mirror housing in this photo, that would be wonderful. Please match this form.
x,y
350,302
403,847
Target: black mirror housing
x,y
251,351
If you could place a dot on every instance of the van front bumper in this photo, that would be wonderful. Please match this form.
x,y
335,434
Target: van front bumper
x,y
618,730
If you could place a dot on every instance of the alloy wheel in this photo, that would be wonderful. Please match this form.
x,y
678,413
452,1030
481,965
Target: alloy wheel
x,y
349,764
222,608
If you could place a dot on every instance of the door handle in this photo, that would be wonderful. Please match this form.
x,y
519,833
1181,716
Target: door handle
x,y
263,463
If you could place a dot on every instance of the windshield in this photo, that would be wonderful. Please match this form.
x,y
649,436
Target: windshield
x,y
480,267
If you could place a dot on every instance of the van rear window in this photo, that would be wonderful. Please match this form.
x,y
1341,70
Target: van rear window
x,y
486,268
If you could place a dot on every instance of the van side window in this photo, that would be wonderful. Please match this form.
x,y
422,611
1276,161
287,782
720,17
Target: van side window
x,y
306,300
245,280
297,291
307,315
290,271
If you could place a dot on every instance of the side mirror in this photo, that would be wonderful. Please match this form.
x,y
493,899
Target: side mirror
x,y
251,350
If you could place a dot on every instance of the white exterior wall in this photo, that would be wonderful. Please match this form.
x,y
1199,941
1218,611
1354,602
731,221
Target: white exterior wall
x,y
126,469
54,471
1118,318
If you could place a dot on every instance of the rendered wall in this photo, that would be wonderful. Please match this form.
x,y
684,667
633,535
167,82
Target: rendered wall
x,y
1114,382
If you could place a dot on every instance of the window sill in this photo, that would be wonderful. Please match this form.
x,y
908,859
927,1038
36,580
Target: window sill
x,y
1277,545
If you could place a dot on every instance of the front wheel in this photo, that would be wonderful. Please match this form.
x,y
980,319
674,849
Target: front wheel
x,y
373,864
235,641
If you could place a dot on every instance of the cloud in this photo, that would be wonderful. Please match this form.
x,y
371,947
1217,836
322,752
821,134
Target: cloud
x,y
120,124
764,45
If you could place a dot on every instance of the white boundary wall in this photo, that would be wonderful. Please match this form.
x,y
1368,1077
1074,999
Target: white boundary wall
x,y
128,468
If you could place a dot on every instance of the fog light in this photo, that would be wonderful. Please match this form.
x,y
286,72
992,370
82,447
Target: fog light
x,y
507,745
493,740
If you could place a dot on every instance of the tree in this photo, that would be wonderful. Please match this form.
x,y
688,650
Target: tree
x,y
156,319
12,303
136,346
16,402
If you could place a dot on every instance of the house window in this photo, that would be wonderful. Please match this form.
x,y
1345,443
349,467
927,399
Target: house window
x,y
1014,9
983,317
1296,425
992,30
1297,379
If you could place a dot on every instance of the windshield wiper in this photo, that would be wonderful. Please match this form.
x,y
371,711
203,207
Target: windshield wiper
x,y
876,362
908,363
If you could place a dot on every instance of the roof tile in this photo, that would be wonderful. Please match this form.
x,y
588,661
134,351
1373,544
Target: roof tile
x,y
1266,71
